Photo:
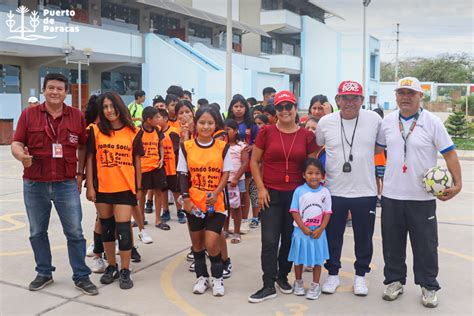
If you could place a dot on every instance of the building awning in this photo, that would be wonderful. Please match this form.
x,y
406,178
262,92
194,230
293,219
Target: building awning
x,y
202,15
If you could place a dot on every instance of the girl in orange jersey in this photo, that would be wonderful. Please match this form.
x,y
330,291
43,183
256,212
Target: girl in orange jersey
x,y
204,164
114,181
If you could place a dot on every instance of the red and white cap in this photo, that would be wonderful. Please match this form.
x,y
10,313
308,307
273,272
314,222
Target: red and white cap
x,y
284,96
350,87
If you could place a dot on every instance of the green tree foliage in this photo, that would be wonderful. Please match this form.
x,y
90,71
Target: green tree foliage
x,y
457,125
446,68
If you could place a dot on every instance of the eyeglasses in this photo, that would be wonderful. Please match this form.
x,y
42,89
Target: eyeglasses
x,y
281,107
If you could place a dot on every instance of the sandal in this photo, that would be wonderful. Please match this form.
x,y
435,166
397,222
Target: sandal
x,y
163,226
235,239
226,234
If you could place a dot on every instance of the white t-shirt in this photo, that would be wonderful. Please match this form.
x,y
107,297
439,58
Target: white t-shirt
x,y
360,181
428,137
311,203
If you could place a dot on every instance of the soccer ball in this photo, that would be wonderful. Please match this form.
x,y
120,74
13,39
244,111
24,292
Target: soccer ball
x,y
437,179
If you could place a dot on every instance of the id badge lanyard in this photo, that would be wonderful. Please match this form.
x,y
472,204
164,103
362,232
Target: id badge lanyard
x,y
405,137
57,148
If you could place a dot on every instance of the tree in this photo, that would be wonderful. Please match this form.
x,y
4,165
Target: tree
x,y
457,125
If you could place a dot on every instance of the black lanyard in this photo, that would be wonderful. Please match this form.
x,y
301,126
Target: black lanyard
x,y
343,132
55,135
405,137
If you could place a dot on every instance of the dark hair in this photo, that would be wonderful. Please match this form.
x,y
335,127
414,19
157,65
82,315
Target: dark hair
x,y
311,119
268,90
270,109
215,105
170,98
188,93
248,120
182,103
163,113
149,112
313,162
379,111
175,90
317,98
262,118
258,108
139,93
202,101
92,109
232,124
207,109
57,77
251,101
158,99
124,115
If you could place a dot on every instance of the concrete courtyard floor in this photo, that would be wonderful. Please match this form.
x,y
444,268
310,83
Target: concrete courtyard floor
x,y
163,284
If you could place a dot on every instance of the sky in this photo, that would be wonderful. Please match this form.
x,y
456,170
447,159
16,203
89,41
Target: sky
x,y
427,27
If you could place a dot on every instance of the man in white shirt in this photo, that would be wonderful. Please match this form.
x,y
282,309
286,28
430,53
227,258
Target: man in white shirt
x,y
412,137
350,136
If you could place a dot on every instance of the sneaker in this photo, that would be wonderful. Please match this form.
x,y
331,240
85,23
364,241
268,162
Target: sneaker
x,y
192,267
40,282
217,286
87,287
284,286
135,255
349,223
379,202
392,291
227,273
201,285
360,289
244,226
144,237
90,250
308,269
263,294
181,217
298,288
331,284
117,249
98,265
314,291
149,207
429,298
125,281
254,223
111,273
165,216
190,256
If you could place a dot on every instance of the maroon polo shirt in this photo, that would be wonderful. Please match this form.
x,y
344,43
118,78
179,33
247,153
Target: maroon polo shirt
x,y
38,130
274,162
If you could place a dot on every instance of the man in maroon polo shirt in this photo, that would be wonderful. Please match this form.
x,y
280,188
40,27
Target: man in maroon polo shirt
x,y
47,141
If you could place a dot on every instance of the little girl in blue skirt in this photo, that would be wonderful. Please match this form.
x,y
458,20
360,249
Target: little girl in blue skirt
x,y
311,210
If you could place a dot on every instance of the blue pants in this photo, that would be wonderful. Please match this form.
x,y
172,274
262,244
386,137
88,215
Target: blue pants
x,y
65,196
363,221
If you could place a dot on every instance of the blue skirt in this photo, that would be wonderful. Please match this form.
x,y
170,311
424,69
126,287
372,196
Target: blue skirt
x,y
306,250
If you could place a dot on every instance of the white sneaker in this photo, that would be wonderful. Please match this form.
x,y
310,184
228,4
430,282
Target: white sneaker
x,y
90,250
201,285
144,237
314,291
429,298
245,226
331,284
298,288
117,250
392,291
360,289
217,286
98,265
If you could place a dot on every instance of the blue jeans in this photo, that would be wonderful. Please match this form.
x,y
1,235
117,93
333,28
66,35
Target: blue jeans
x,y
65,196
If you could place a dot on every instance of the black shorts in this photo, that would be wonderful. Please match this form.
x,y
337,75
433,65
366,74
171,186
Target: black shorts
x,y
155,179
124,197
213,223
172,182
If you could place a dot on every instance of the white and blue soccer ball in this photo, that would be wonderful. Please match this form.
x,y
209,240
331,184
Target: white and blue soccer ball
x,y
437,179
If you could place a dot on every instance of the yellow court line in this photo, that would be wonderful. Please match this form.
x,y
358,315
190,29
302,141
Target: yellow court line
x,y
456,254
9,219
166,282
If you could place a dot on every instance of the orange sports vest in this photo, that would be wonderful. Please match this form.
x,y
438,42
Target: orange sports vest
x,y
151,146
114,157
205,171
170,158
176,124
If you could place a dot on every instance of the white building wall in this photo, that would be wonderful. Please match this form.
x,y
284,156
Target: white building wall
x,y
218,7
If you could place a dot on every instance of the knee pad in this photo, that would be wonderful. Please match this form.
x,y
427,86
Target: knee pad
x,y
217,267
98,245
108,229
124,235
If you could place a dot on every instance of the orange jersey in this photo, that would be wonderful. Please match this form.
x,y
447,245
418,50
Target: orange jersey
x,y
114,158
176,124
151,145
170,159
205,166
380,159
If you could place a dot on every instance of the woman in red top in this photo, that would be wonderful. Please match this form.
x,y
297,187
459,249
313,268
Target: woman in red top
x,y
282,147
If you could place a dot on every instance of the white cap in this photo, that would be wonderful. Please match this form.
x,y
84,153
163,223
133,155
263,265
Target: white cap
x,y
409,83
33,100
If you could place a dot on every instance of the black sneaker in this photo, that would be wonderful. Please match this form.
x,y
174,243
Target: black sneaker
x,y
165,216
125,280
87,287
149,207
284,286
227,273
110,274
263,294
190,256
40,282
135,255
192,267
182,217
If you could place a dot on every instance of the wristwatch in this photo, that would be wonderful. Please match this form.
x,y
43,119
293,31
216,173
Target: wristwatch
x,y
140,189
